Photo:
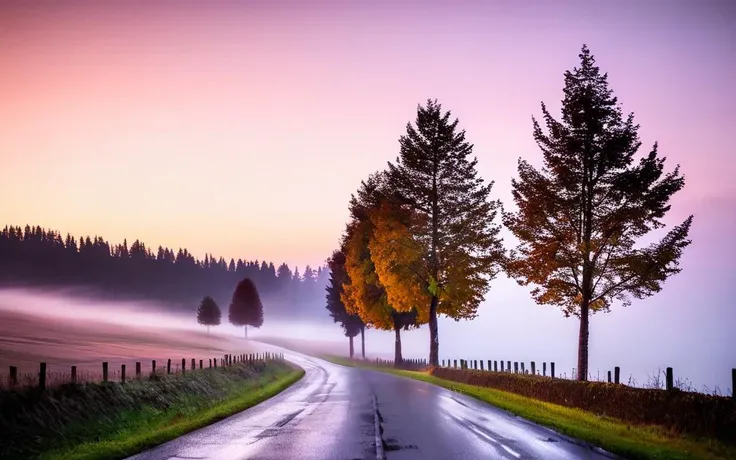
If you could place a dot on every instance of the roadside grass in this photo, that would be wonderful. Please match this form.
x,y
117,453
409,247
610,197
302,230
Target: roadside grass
x,y
630,441
145,413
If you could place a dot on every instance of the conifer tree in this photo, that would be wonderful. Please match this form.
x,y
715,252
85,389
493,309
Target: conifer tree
x,y
580,215
351,324
246,308
208,313
435,176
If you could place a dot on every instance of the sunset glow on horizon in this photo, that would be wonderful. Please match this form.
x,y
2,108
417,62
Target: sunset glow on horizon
x,y
241,130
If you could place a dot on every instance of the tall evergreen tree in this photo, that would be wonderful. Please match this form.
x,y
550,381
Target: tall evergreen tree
x,y
436,177
581,214
351,324
208,313
246,308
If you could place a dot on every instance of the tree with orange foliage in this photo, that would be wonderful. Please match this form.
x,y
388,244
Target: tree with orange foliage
x,y
363,293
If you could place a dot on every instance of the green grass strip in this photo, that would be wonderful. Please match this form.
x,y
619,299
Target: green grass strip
x,y
630,441
143,429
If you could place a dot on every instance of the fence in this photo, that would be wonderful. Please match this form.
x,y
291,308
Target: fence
x,y
44,378
519,367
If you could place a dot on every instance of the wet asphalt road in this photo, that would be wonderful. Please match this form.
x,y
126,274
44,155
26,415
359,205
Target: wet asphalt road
x,y
335,412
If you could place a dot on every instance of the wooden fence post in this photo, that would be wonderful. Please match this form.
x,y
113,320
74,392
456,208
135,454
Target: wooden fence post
x,y
42,376
74,374
522,368
122,373
183,365
454,363
13,377
508,366
616,374
552,370
609,376
670,379
733,383
544,369
104,371
481,364
214,363
495,366
534,368
137,369
516,367
168,366
153,366
201,364
194,365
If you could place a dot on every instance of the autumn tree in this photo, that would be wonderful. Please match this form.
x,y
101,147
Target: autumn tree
x,y
363,293
208,313
582,213
451,222
246,308
351,324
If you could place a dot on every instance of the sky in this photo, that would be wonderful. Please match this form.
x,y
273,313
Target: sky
x,y
241,129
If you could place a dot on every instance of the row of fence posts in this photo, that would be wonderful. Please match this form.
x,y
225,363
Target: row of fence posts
x,y
519,368
404,363
225,361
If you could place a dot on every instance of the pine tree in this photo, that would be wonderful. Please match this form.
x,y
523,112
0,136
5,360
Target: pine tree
x,y
452,217
581,214
246,308
208,313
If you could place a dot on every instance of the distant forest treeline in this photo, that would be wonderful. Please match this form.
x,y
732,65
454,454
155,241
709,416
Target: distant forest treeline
x,y
41,257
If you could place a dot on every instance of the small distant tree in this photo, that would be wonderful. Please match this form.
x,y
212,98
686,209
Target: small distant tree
x,y
246,308
208,313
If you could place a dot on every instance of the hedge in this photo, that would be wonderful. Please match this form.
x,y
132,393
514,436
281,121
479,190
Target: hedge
x,y
685,412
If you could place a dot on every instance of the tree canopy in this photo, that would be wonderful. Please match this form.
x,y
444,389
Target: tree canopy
x,y
582,213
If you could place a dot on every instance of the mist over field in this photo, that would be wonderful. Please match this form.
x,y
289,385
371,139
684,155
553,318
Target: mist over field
x,y
509,327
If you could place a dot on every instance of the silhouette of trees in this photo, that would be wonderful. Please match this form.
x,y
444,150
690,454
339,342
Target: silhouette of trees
x,y
351,324
580,215
208,313
246,308
33,256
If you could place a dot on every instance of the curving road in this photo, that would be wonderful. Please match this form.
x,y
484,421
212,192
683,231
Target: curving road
x,y
343,413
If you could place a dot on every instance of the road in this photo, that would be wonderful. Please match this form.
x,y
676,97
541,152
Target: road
x,y
342,413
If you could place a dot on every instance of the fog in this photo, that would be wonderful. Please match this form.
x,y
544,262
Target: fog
x,y
687,326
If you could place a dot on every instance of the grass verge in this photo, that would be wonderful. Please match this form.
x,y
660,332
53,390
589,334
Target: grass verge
x,y
630,441
112,421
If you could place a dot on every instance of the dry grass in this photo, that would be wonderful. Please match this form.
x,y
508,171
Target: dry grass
x,y
26,340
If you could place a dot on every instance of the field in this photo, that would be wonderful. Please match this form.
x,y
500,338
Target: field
x,y
28,339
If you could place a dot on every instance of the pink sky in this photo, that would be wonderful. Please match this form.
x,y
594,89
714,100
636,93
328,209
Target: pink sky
x,y
241,129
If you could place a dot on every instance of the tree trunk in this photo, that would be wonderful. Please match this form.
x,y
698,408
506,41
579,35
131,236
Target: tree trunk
x,y
398,359
351,347
434,340
583,342
362,342
246,331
